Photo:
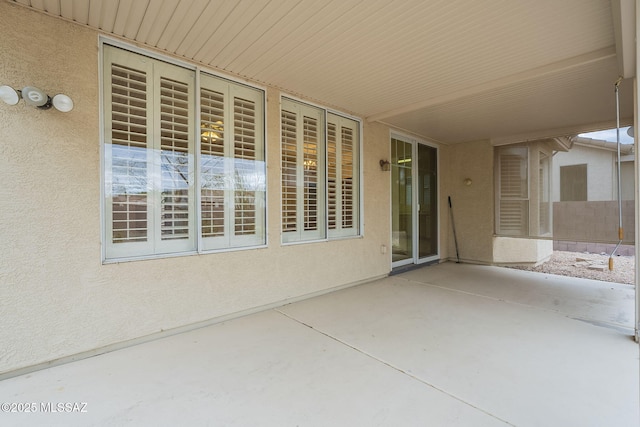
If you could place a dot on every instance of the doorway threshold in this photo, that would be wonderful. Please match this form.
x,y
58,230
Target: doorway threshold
x,y
410,267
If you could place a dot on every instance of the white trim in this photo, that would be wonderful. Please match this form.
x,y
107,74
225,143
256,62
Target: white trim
x,y
103,231
198,166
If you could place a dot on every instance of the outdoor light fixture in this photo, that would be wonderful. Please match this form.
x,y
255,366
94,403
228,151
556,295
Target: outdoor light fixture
x,y
385,165
62,102
36,98
9,95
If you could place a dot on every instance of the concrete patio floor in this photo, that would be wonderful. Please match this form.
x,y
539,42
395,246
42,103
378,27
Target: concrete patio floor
x,y
446,345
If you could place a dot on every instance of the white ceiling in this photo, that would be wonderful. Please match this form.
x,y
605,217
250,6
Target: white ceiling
x,y
448,70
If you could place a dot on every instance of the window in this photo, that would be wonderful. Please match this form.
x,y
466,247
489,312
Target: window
x,y
513,191
320,173
573,183
151,143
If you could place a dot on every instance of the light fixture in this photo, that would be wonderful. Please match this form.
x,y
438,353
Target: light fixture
x,y
36,98
9,95
385,165
211,132
62,103
467,182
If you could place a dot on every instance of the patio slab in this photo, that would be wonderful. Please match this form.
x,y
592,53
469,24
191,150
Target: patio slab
x,y
420,348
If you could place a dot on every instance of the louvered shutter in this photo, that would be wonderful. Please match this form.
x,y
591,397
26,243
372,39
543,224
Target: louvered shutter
x,y
212,162
513,215
249,168
128,135
148,110
289,171
233,185
343,175
303,148
333,176
174,148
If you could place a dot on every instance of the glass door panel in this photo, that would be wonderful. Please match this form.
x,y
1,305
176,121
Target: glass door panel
x,y
427,201
402,202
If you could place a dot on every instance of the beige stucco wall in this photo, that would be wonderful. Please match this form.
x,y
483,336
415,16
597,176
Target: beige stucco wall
x,y
56,297
513,251
473,205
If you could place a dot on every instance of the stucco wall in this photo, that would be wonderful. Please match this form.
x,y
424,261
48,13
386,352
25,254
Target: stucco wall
x,y
472,204
56,297
523,251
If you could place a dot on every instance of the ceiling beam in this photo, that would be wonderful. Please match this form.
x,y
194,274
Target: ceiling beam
x,y
624,29
556,67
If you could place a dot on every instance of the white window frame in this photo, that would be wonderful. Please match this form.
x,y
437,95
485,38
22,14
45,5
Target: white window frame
x,y
357,230
195,240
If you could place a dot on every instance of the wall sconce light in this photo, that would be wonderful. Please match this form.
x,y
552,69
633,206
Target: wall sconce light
x,y
385,165
467,182
36,98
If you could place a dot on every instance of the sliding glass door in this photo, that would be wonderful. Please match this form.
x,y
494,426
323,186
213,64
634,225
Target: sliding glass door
x,y
414,200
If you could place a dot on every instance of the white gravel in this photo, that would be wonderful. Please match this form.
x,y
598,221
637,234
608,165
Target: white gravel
x,y
588,266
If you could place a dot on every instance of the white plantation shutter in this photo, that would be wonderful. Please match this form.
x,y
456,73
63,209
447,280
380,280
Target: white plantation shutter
x,y
332,176
175,139
233,186
303,172
311,160
289,171
244,135
150,110
149,203
343,176
513,208
127,155
212,167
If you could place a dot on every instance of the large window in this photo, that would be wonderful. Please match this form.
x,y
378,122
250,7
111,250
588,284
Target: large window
x,y
523,183
320,173
173,183
513,191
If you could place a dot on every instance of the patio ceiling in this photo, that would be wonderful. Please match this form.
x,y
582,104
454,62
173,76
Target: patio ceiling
x,y
450,71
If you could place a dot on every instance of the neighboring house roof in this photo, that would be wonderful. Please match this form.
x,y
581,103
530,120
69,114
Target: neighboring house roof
x,y
625,149
451,71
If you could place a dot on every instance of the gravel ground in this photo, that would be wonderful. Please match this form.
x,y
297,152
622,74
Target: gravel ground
x,y
577,264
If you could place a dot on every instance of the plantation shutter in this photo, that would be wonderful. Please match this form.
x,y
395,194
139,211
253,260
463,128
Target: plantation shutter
x,y
148,156
233,186
303,172
513,216
249,169
343,176
289,172
128,159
